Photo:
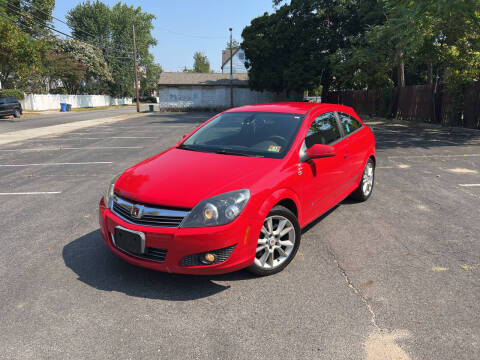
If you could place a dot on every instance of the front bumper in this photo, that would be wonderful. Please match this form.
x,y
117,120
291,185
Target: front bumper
x,y
181,242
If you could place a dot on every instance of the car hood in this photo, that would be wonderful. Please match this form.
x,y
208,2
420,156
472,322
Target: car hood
x,y
182,178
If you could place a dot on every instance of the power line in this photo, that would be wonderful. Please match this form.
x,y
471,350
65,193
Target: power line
x,y
40,22
79,29
109,56
188,35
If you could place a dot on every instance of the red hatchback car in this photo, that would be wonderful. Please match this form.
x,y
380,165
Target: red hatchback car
x,y
236,192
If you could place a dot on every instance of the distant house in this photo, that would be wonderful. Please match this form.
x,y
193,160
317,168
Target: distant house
x,y
238,62
208,90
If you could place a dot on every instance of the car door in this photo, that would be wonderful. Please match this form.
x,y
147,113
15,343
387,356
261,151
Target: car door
x,y
321,178
2,106
10,105
357,146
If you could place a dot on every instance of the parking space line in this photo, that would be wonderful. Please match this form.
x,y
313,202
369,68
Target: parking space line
x,y
432,156
32,193
469,185
54,164
74,148
94,138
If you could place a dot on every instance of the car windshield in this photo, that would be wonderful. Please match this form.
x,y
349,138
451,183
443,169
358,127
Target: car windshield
x,y
259,134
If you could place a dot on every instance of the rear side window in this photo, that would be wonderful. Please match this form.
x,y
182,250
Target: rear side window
x,y
324,130
11,100
349,123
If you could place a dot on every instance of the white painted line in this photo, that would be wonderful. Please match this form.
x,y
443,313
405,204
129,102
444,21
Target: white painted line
x,y
469,185
95,138
432,156
32,193
22,135
75,148
53,164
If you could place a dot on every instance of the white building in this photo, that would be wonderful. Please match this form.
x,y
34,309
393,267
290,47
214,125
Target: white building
x,y
184,90
238,62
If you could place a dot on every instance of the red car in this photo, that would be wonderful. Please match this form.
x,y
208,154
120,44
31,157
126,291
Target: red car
x,y
236,192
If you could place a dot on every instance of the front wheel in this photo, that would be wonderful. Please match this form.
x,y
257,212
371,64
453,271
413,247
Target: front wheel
x,y
16,113
364,190
278,242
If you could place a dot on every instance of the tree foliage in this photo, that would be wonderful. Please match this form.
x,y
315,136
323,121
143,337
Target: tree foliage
x,y
200,63
361,44
112,28
31,16
21,58
97,76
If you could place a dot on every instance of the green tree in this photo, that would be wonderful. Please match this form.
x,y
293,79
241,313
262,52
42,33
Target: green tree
x,y
21,58
63,66
200,63
32,16
235,45
149,80
291,49
96,22
97,77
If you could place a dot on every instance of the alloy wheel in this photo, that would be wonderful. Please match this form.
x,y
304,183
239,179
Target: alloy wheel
x,y
275,243
367,180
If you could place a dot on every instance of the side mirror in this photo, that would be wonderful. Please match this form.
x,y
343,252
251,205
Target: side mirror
x,y
321,151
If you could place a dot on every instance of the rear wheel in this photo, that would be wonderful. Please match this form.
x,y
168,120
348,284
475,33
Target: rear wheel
x,y
278,242
364,190
16,113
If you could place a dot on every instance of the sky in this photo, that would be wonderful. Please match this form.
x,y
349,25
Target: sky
x,y
182,27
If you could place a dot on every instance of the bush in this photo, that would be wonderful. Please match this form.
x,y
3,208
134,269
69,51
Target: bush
x,y
16,93
59,91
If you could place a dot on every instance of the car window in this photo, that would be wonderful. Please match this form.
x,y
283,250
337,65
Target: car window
x,y
2,100
247,133
324,130
349,123
11,100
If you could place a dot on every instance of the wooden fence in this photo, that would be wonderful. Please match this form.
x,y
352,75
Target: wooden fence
x,y
416,103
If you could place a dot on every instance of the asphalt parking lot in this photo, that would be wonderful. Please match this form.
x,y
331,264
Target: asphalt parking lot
x,y
396,277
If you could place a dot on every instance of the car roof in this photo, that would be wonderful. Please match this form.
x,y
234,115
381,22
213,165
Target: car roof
x,y
290,107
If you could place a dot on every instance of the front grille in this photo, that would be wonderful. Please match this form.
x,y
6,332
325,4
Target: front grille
x,y
220,256
148,216
153,254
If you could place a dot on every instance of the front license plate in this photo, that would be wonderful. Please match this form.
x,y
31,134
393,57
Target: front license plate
x,y
129,241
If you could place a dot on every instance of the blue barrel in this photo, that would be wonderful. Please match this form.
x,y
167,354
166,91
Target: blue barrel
x,y
63,107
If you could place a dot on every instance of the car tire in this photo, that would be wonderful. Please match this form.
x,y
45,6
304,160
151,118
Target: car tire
x,y
16,113
276,247
365,188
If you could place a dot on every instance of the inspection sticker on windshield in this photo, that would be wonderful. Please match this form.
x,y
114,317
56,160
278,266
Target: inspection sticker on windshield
x,y
274,148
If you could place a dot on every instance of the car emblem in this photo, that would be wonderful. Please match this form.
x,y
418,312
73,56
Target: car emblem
x,y
137,211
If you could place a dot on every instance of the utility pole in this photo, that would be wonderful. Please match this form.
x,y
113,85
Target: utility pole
x,y
231,68
135,65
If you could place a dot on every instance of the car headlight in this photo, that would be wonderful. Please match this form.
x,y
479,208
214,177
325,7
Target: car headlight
x,y
218,210
108,197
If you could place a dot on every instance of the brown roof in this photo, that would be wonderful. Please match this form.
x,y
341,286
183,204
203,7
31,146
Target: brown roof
x,y
226,56
201,79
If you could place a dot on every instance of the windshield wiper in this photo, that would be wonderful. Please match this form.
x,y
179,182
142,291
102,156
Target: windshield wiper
x,y
234,152
186,147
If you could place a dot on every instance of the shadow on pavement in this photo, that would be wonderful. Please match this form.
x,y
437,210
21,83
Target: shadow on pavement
x,y
96,266
402,136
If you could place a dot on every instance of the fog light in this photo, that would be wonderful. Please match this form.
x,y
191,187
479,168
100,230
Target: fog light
x,y
209,258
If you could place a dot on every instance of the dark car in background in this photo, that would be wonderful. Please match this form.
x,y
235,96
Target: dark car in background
x,y
10,106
